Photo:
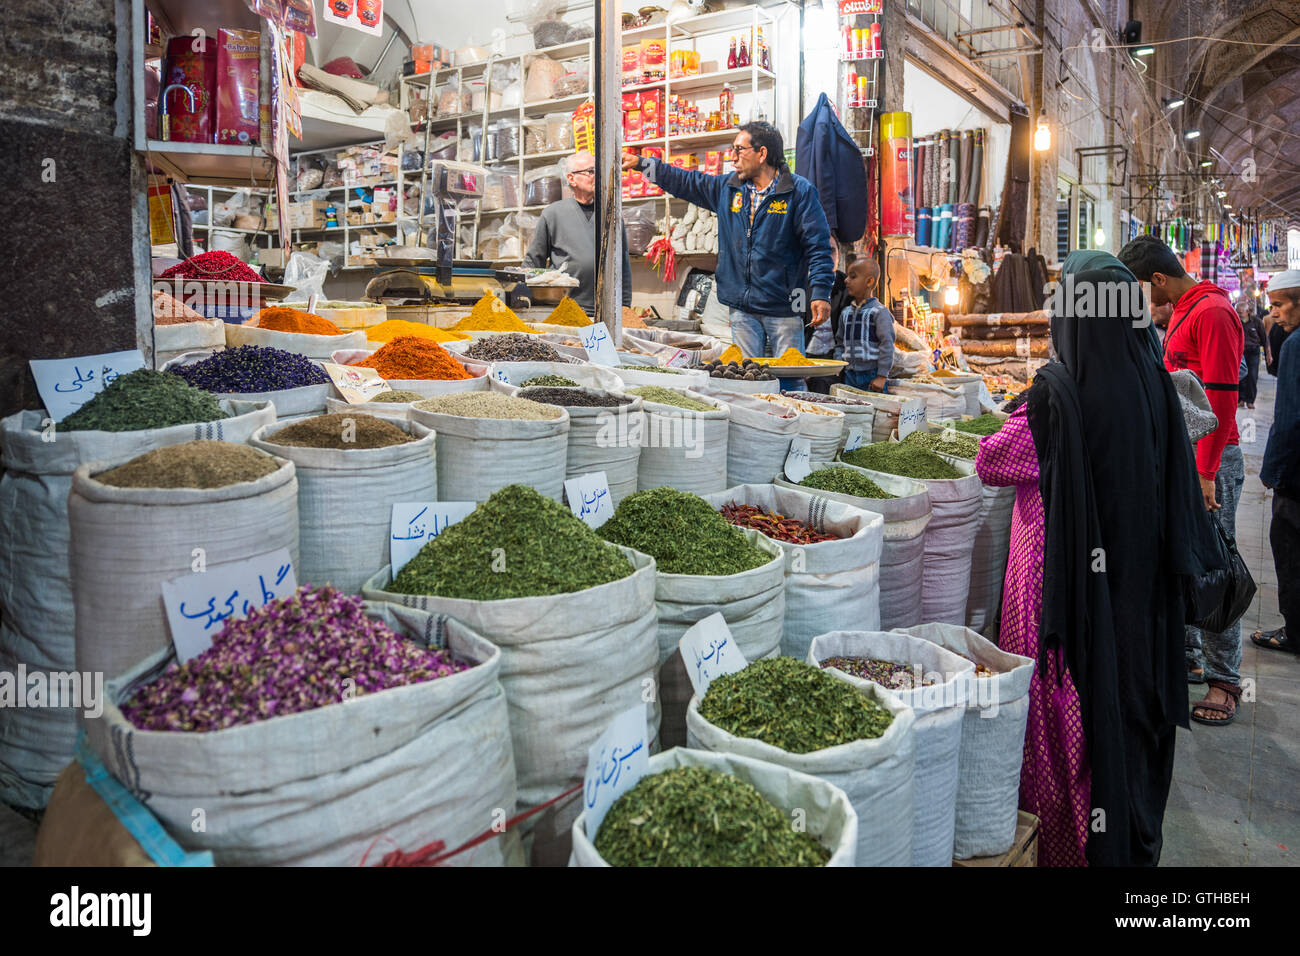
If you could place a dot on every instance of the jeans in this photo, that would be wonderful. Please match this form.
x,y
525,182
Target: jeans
x,y
1221,653
768,335
861,378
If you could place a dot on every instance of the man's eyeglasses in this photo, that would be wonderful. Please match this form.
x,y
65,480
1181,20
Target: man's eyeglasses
x,y
583,172
737,150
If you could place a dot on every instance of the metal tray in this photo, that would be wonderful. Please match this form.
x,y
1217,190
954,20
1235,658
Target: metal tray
x,y
823,367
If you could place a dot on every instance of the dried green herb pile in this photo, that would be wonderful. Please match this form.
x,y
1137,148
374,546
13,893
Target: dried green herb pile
x,y
694,816
666,396
792,705
144,399
552,381
518,543
192,464
844,481
898,458
957,444
489,405
985,424
683,533
398,395
345,431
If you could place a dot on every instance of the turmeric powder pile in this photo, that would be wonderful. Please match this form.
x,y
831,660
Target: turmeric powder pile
x,y
279,318
568,313
394,328
490,314
790,356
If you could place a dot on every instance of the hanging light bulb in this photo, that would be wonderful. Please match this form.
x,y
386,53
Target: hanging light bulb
x,y
950,295
1042,134
1099,238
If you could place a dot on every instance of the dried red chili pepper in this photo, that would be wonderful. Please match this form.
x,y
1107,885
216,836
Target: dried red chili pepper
x,y
773,525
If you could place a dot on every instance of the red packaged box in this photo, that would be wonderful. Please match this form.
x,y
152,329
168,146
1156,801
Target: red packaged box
x,y
631,117
712,162
632,65
237,86
649,188
652,114
185,105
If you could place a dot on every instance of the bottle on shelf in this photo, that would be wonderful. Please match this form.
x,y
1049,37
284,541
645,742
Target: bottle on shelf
x,y
743,59
875,39
727,104
853,88
731,57
764,56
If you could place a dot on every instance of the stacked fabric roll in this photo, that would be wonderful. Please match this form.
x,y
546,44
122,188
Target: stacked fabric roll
x,y
949,164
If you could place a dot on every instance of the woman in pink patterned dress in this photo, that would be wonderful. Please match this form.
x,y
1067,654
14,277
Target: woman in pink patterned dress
x,y
1054,774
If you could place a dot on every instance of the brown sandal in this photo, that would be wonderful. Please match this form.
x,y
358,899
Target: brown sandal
x,y
1229,708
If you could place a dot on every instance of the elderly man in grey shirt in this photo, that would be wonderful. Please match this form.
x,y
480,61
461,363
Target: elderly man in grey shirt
x,y
566,235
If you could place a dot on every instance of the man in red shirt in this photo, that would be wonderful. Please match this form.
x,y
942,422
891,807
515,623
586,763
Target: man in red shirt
x,y
1204,335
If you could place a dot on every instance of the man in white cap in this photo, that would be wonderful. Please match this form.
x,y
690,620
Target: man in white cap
x,y
1281,468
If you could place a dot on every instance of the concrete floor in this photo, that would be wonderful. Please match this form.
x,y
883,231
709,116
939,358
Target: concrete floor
x,y
1235,800
1236,794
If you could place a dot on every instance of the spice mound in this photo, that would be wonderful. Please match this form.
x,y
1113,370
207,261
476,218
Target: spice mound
x,y
518,543
666,396
398,395
985,424
792,705
683,533
657,369
889,674
569,313
570,398
490,314
817,398
513,348
391,329
748,370
191,464
554,381
694,816
143,399
291,655
957,444
252,369
345,431
897,458
845,481
410,357
632,318
489,405
773,525
217,266
281,318
170,311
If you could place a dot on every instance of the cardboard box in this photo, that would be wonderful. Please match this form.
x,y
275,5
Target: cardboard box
x,y
652,114
1024,848
237,86
271,257
654,60
712,162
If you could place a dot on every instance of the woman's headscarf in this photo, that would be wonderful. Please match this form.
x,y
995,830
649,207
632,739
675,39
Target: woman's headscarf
x,y
1103,406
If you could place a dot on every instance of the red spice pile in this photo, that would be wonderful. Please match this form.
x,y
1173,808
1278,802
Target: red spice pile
x,y
216,266
773,525
280,318
170,311
410,357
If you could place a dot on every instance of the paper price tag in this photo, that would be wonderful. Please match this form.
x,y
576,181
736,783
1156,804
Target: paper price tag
x,y
599,345
709,651
798,461
502,375
589,498
357,385
679,359
414,523
67,384
615,763
199,603
911,416
854,439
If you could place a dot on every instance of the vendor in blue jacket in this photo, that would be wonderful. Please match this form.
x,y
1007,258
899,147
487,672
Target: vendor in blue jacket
x,y
772,239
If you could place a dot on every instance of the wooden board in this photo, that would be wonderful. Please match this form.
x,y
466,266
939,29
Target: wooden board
x,y
1024,849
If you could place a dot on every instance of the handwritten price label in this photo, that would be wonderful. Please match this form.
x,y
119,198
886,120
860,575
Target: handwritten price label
x,y
679,359
589,498
67,384
911,416
357,385
615,763
415,523
599,345
798,461
198,604
709,651
854,439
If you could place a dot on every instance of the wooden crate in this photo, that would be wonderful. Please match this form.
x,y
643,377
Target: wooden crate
x,y
1023,852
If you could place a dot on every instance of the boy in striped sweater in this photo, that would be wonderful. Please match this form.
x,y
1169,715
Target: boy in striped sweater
x,y
865,338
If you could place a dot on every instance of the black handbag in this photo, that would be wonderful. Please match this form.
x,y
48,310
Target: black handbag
x,y
1217,600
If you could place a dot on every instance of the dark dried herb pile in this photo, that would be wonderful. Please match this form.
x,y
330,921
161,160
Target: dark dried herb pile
x,y
683,533
143,399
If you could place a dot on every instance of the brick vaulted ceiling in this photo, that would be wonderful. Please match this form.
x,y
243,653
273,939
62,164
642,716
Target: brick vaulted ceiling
x,y
1243,95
